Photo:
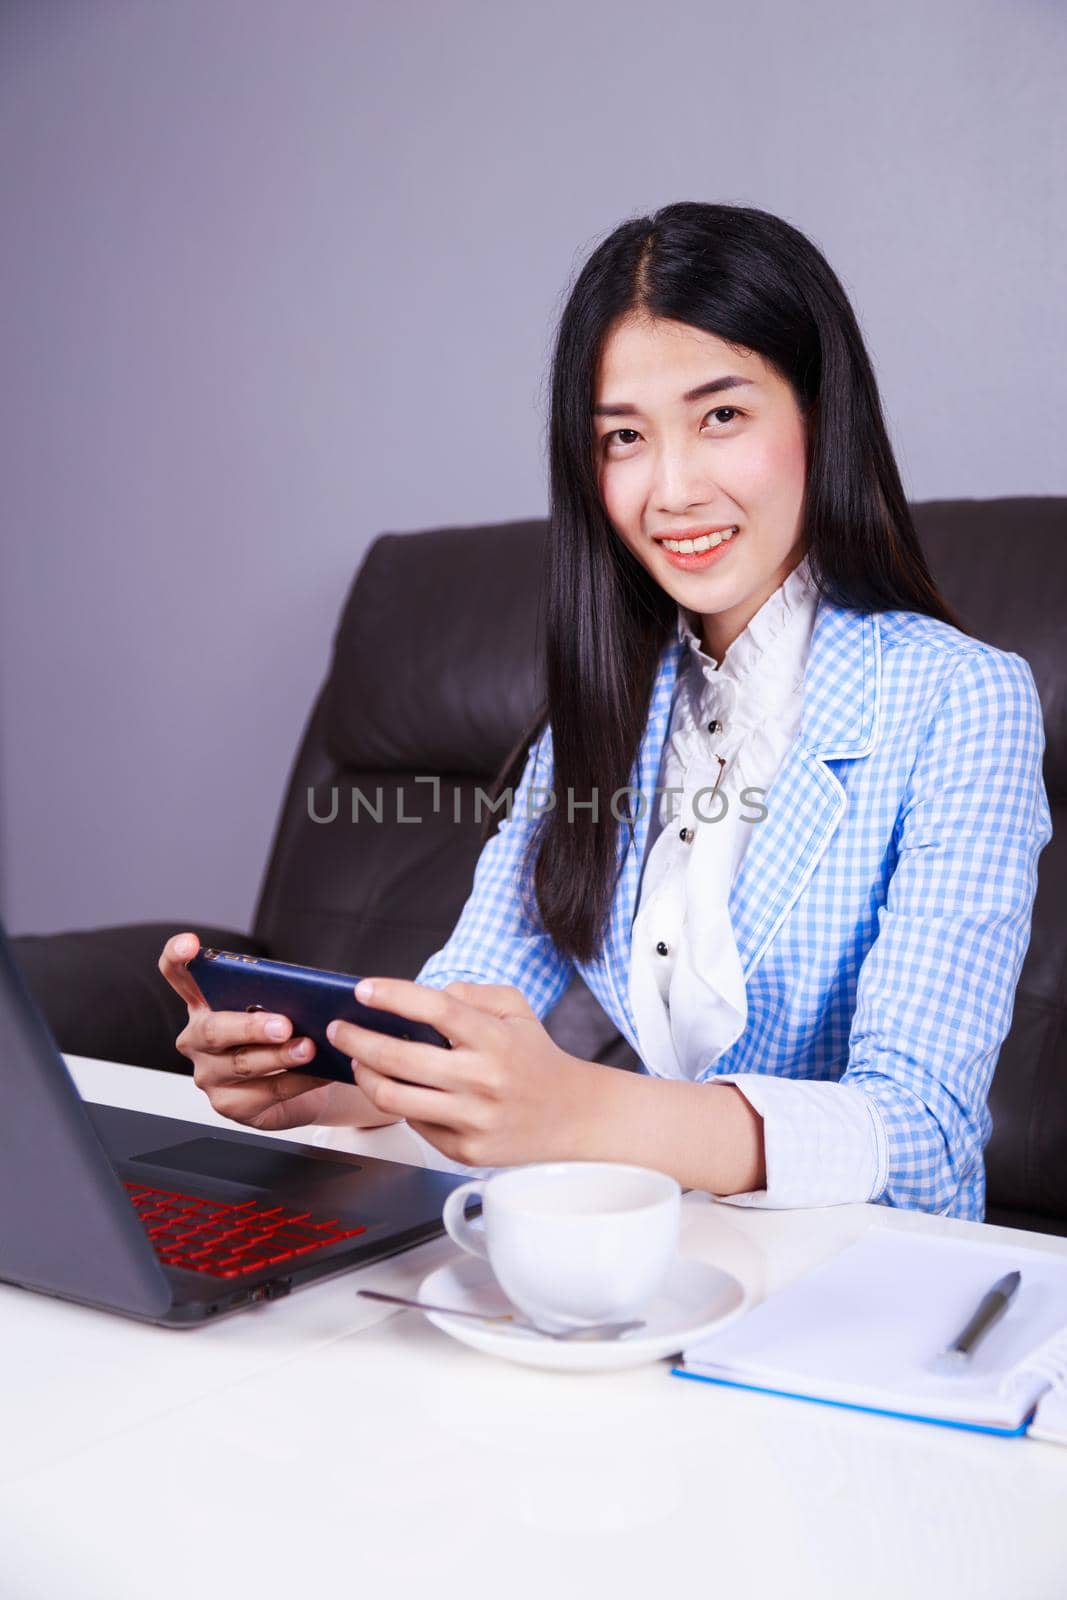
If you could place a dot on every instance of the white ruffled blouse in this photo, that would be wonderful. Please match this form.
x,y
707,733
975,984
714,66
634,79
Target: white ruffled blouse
x,y
731,726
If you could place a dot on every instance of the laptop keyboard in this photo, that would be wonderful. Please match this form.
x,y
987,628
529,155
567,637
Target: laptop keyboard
x,y
227,1240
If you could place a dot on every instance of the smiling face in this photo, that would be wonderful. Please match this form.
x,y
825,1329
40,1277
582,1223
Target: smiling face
x,y
675,462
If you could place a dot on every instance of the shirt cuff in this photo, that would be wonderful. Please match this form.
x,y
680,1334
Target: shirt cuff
x,y
825,1143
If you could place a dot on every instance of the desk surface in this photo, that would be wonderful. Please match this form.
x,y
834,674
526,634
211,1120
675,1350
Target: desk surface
x,y
320,1439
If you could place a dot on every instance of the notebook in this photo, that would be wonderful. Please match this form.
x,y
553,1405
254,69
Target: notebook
x,y
864,1330
1050,1420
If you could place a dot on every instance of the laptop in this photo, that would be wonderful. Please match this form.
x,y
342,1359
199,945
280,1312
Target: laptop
x,y
174,1222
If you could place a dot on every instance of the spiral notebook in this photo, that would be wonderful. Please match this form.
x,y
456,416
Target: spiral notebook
x,y
865,1328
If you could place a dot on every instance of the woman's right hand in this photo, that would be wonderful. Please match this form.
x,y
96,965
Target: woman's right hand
x,y
244,1061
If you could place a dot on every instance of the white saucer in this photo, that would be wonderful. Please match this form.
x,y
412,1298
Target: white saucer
x,y
695,1298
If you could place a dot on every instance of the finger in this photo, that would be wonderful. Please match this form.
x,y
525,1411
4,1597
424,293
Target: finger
x,y
446,1140
240,1067
256,1061
420,1002
243,1103
406,1060
179,949
410,1100
219,1032
496,999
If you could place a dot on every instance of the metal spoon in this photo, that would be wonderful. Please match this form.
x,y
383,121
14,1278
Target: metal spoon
x,y
595,1330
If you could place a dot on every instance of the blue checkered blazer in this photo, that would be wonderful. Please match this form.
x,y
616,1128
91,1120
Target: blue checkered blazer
x,y
882,908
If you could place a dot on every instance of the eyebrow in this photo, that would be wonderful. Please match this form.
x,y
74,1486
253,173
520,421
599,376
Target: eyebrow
x,y
716,386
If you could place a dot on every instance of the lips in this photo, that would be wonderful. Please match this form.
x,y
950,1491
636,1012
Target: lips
x,y
696,540
697,560
695,533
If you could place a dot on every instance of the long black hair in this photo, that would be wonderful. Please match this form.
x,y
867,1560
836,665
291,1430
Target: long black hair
x,y
756,282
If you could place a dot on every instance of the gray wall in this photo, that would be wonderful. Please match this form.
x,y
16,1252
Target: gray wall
x,y
277,275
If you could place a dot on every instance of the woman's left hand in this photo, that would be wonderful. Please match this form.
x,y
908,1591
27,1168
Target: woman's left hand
x,y
504,1094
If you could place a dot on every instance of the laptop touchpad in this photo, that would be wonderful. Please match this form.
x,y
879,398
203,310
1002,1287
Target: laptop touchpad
x,y
243,1163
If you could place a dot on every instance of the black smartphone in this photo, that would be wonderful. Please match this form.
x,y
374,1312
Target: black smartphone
x,y
310,999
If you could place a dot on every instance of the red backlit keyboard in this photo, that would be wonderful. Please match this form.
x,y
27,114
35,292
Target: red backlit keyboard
x,y
227,1240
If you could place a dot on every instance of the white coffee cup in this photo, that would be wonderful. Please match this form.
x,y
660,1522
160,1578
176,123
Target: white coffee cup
x,y
573,1242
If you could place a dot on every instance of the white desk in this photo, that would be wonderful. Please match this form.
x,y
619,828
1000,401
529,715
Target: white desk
x,y
319,1445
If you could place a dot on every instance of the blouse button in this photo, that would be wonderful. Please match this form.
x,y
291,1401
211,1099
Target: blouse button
x,y
686,835
661,948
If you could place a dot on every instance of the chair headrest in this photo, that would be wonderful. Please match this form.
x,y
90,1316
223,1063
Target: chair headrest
x,y
436,658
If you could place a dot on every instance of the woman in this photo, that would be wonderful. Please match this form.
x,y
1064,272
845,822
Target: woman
x,y
794,810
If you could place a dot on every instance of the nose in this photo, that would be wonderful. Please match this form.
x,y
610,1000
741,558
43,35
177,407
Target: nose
x,y
682,480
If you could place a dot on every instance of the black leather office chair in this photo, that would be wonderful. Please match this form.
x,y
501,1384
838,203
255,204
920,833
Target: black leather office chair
x,y
436,671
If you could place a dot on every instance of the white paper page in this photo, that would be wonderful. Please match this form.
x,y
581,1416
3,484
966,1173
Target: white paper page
x,y
866,1326
1051,1420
